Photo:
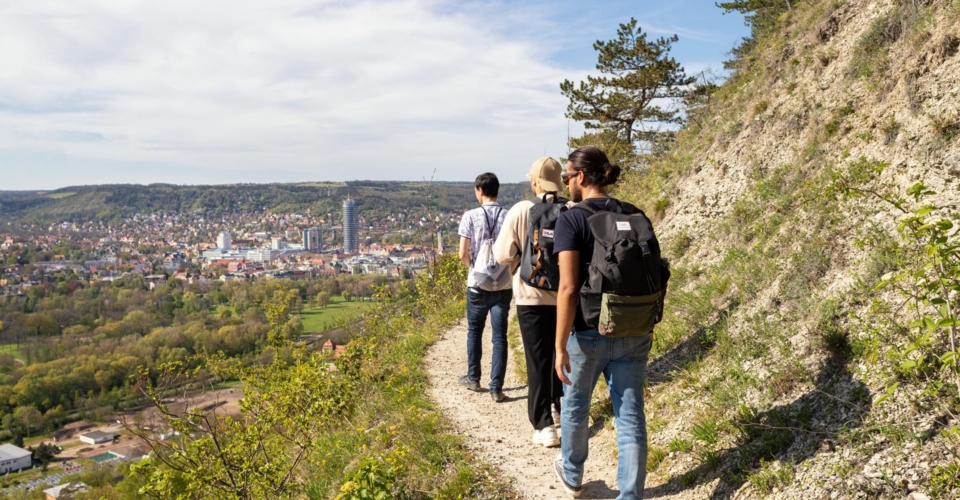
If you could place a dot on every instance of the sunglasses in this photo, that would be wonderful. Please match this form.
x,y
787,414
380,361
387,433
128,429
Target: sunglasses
x,y
565,176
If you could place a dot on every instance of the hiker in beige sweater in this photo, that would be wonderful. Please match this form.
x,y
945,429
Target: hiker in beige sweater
x,y
536,309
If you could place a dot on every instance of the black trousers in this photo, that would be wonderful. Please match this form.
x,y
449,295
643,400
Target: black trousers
x,y
538,328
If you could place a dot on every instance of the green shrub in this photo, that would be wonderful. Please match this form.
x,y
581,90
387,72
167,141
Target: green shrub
x,y
372,480
945,479
308,418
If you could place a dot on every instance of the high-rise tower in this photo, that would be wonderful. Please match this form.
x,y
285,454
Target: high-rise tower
x,y
223,241
351,226
312,239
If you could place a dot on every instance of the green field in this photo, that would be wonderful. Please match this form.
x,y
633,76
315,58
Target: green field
x,y
320,319
12,349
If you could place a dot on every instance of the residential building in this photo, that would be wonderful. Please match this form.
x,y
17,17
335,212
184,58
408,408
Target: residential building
x,y
174,262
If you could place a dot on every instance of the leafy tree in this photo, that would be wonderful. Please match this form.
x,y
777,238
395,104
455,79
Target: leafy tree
x,y
628,100
346,296
45,452
278,314
323,298
41,325
29,418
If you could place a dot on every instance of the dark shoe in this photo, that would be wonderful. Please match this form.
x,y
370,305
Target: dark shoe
x,y
571,490
468,384
498,397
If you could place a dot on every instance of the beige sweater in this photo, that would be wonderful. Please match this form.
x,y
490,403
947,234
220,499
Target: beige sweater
x,y
507,250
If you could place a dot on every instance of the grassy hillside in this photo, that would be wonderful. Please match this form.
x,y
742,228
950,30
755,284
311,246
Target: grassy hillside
x,y
791,364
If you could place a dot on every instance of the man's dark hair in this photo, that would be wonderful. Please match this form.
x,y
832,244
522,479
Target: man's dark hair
x,y
488,184
595,166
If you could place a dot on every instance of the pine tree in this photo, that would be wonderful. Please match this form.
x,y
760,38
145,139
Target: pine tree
x,y
628,100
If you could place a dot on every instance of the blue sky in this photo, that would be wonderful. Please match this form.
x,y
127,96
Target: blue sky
x,y
186,92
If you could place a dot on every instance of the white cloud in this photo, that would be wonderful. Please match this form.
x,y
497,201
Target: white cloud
x,y
310,89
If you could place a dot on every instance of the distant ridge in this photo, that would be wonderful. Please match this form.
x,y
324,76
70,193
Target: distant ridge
x,y
111,201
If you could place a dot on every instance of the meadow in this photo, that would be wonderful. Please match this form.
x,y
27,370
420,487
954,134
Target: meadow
x,y
319,319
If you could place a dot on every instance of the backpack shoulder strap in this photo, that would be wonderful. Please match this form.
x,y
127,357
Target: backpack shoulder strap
x,y
486,221
583,205
629,209
548,195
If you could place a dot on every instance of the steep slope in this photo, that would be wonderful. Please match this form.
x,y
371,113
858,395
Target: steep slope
x,y
782,370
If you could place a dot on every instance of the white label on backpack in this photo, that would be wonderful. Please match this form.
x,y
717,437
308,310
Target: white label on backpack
x,y
547,233
623,226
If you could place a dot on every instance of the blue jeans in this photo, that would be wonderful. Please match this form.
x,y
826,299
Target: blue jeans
x,y
479,302
623,363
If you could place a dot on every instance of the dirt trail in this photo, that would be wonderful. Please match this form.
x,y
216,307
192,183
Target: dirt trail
x,y
500,433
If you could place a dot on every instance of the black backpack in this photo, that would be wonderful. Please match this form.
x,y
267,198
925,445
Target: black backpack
x,y
627,278
538,265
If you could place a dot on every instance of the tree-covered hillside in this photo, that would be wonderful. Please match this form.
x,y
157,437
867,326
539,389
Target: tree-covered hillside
x,y
107,202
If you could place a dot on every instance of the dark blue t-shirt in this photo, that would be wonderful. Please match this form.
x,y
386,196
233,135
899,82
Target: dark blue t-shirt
x,y
573,233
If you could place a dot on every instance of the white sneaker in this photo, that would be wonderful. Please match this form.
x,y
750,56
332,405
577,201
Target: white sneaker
x,y
546,437
556,417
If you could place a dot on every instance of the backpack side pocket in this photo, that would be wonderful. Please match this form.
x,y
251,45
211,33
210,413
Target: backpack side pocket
x,y
628,316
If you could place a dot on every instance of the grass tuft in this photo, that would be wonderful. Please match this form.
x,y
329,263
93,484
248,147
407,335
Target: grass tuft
x,y
655,456
706,431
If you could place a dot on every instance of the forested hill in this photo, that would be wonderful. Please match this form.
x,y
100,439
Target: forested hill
x,y
106,202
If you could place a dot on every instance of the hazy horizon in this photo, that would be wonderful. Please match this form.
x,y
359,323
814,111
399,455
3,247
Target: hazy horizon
x,y
464,181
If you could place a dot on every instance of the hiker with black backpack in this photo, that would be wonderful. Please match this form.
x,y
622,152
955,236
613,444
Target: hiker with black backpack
x,y
612,284
526,245
488,286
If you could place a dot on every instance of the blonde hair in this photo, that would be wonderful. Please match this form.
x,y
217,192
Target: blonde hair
x,y
536,183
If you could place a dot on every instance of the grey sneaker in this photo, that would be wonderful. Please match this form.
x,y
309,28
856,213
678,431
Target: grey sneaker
x,y
471,385
498,397
571,490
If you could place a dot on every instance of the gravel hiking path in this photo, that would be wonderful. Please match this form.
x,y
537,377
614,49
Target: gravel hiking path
x,y
500,433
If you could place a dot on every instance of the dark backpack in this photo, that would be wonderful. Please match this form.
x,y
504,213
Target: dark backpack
x,y
627,279
538,264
